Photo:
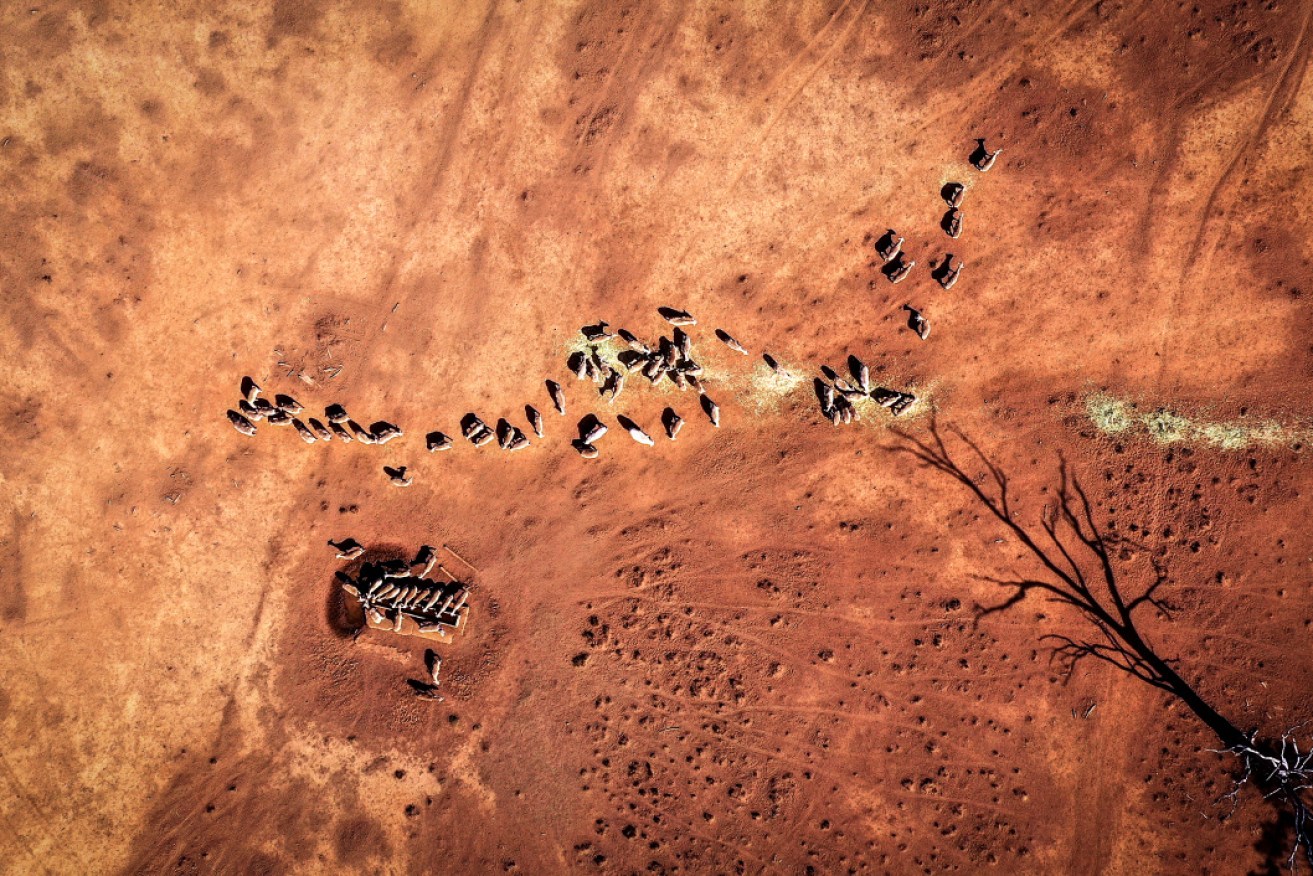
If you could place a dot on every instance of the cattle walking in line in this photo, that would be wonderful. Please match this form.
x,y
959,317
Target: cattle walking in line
x,y
240,423
728,340
981,158
635,431
591,429
897,269
287,403
672,421
347,548
946,274
952,222
320,429
711,409
384,431
471,425
916,322
304,431
675,316
515,439
535,419
774,365
557,395
503,432
889,246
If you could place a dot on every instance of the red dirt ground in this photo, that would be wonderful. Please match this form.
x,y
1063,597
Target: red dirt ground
x,y
751,650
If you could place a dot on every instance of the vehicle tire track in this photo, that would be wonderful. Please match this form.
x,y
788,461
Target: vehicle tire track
x,y
689,826
765,130
424,192
1283,90
958,40
605,88
604,600
21,793
1212,75
776,80
1006,64
745,123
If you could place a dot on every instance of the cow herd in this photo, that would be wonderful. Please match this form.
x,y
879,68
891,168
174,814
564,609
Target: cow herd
x,y
398,595
612,360
284,410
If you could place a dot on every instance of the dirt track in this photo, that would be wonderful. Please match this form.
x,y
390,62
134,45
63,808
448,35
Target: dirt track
x,y
752,649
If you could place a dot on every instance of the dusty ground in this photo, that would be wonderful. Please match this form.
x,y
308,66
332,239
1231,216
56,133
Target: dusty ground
x,y
751,650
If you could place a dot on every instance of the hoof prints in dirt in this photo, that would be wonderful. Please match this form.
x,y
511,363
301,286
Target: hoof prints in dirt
x,y
726,734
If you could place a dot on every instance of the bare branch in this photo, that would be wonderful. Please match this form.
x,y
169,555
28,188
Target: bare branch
x,y
1074,552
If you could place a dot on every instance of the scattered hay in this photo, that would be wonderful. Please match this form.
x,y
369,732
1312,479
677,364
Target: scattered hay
x,y
1166,427
1110,415
1113,416
607,348
1225,436
765,389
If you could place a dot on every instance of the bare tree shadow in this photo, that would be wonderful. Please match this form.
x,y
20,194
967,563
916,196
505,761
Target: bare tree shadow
x,y
1273,845
1078,571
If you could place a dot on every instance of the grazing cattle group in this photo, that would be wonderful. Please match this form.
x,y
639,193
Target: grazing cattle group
x,y
670,358
252,408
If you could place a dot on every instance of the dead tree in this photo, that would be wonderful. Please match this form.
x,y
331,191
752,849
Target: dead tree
x,y
1076,558
1283,774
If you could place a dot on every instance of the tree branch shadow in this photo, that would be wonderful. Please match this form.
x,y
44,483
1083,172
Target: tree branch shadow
x,y
1078,570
